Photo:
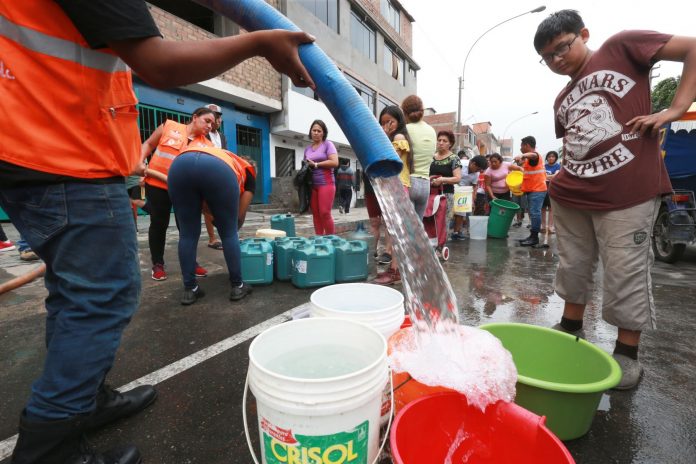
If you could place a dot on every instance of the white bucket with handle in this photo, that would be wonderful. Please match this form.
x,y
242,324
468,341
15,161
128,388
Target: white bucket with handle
x,y
318,385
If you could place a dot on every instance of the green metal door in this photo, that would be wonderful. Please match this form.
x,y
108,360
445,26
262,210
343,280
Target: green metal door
x,y
249,144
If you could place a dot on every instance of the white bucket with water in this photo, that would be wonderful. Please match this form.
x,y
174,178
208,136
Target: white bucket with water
x,y
378,306
318,385
478,227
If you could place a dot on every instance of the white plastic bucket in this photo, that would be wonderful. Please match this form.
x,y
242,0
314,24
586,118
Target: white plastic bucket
x,y
378,306
463,199
478,227
318,385
270,233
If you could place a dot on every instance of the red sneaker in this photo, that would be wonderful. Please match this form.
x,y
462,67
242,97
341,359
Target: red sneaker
x,y
6,246
158,272
390,277
200,271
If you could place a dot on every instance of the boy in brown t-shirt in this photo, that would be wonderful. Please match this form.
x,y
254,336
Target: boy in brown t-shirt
x,y
606,195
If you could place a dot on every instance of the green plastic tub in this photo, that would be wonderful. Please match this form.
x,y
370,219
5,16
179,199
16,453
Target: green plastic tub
x,y
502,214
560,376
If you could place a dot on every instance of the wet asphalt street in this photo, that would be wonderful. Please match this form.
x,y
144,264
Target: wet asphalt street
x,y
197,417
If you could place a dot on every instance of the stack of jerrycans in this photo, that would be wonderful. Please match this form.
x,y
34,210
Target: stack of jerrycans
x,y
257,260
314,263
351,259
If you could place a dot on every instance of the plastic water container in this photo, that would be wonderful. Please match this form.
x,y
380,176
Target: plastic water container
x,y
313,265
375,305
478,227
514,182
284,222
257,261
351,260
284,247
501,216
318,385
444,428
559,376
463,199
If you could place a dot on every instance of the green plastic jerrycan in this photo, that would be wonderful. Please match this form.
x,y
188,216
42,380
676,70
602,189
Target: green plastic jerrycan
x,y
313,265
351,261
284,222
284,247
257,261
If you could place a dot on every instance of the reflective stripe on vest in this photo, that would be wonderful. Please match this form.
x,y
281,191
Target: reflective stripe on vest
x,y
173,142
60,48
80,101
534,172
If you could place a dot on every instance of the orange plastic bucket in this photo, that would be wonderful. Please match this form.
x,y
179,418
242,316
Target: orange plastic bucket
x,y
406,388
445,428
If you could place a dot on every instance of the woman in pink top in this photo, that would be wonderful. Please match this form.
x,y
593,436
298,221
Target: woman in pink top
x,y
495,178
322,157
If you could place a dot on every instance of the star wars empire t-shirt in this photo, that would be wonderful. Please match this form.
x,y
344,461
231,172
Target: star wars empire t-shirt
x,y
605,167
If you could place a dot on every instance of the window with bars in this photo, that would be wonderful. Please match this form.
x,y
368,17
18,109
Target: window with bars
x,y
151,117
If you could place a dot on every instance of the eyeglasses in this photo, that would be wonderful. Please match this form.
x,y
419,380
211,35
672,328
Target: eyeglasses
x,y
561,51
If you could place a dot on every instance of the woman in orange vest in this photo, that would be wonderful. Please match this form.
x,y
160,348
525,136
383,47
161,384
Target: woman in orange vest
x,y
167,142
226,183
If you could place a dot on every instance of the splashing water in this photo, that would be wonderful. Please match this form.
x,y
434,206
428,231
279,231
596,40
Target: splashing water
x,y
430,300
466,359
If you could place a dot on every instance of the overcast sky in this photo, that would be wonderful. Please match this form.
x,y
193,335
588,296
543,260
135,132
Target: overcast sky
x,y
503,79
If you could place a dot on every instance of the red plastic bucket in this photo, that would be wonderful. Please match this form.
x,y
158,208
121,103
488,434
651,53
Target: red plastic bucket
x,y
437,427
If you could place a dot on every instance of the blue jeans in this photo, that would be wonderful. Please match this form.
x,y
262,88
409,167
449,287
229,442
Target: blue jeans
x,y
195,177
22,245
534,201
85,234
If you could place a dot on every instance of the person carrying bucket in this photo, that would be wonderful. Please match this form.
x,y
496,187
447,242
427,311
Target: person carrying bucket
x,y
469,176
607,193
533,186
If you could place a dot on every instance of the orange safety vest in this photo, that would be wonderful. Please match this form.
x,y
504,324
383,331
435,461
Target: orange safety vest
x,y
172,142
534,179
65,109
239,165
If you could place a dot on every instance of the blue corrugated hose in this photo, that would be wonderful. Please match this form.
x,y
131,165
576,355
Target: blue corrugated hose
x,y
371,145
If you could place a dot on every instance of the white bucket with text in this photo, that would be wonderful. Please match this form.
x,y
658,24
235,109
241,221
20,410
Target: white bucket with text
x,y
318,385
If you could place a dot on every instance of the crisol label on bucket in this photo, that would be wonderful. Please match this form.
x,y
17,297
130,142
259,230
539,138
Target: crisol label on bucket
x,y
282,446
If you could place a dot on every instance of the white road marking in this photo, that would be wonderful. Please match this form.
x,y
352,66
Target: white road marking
x,y
177,367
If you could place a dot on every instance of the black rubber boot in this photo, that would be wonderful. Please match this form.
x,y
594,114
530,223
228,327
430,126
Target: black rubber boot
x,y
532,240
113,405
62,442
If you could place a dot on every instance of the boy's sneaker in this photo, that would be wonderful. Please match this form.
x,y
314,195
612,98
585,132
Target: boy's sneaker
x,y
158,272
458,236
240,292
200,271
340,209
517,224
631,370
6,246
385,258
28,255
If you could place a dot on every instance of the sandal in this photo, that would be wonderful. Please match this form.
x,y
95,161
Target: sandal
x,y
215,245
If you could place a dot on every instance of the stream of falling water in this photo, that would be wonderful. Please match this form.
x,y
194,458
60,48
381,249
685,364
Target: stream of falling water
x,y
429,300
